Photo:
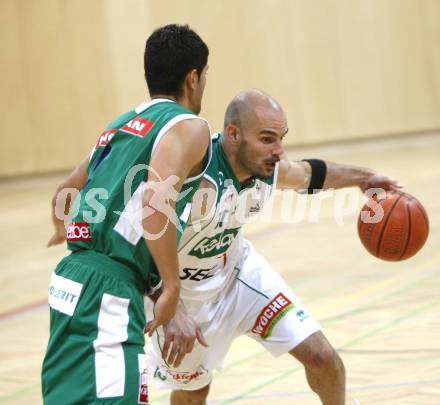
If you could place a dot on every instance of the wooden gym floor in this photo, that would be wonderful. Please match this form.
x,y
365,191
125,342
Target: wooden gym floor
x,y
384,318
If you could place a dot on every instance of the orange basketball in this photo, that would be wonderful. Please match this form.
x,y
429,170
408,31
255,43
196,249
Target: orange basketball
x,y
393,228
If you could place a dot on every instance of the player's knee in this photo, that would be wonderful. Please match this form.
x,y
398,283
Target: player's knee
x,y
316,353
201,394
324,358
196,397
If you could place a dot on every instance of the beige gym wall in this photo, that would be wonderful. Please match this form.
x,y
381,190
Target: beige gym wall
x,y
342,69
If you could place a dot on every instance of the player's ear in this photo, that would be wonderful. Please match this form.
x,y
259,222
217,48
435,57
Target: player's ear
x,y
192,78
233,133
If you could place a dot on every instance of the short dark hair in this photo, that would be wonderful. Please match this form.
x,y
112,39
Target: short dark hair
x,y
170,53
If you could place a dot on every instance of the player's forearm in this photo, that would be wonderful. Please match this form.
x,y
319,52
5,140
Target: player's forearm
x,y
339,176
60,209
163,249
58,224
66,193
156,294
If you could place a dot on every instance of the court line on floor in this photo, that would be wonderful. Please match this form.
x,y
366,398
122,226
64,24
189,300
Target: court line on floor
x,y
361,308
34,305
349,389
30,307
335,318
260,386
20,392
24,309
348,344
412,284
425,351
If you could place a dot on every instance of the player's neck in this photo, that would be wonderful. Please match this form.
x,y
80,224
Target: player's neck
x,y
240,172
165,96
183,100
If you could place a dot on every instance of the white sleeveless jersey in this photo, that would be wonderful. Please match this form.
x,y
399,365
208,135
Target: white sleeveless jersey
x,y
211,245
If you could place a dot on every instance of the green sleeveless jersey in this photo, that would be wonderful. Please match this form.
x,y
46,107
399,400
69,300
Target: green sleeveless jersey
x,y
107,214
212,245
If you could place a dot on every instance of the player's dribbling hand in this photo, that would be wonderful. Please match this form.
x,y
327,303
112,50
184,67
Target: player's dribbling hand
x,y
181,332
164,310
376,180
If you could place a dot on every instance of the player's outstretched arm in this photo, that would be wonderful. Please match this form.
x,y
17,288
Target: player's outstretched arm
x,y
339,176
61,206
179,155
315,175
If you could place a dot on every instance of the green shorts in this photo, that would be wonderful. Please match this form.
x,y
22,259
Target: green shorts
x,y
95,353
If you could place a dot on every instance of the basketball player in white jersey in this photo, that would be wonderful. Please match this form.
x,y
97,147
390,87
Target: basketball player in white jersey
x,y
228,289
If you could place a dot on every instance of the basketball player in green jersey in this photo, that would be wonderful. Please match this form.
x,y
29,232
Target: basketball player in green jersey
x,y
227,287
122,240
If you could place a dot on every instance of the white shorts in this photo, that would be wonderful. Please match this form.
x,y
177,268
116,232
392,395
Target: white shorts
x,y
258,304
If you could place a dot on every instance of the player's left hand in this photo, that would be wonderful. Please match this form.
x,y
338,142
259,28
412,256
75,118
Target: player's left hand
x,y
376,180
57,239
181,333
60,234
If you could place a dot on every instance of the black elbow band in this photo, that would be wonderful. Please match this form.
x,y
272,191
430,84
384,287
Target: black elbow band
x,y
319,172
